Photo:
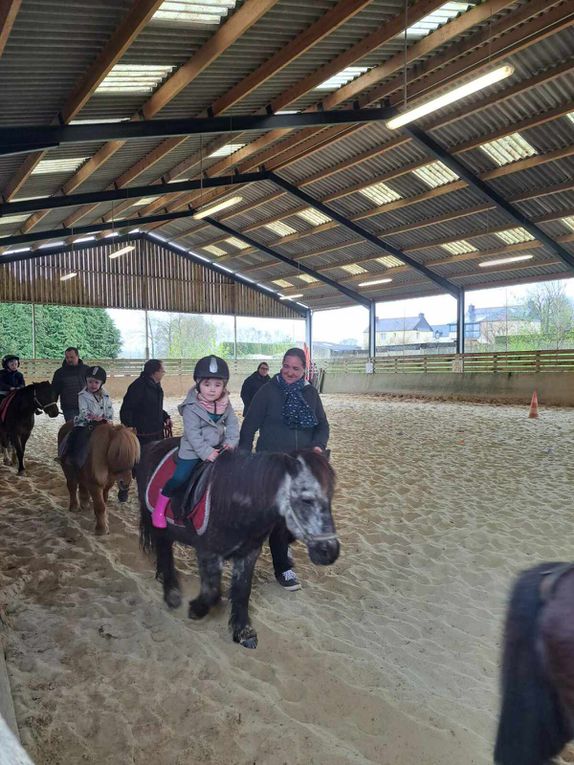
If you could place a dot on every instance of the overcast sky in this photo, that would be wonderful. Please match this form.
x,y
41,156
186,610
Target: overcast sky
x,y
341,324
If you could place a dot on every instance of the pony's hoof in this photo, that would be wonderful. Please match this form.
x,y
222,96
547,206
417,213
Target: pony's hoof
x,y
21,472
173,598
197,609
247,637
102,531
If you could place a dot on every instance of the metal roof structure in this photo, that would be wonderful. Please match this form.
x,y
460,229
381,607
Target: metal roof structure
x,y
479,193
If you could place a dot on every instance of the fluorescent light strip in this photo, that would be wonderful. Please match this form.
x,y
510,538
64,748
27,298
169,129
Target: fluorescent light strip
x,y
290,297
473,86
502,261
69,276
123,251
375,281
217,208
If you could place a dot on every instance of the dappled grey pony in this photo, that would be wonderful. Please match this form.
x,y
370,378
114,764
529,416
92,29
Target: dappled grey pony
x,y
248,494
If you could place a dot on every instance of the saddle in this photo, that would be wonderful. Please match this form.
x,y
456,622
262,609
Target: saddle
x,y
5,405
189,506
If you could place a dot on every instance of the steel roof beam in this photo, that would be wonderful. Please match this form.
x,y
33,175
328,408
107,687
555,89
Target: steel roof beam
x,y
31,138
356,297
131,192
8,12
387,248
423,139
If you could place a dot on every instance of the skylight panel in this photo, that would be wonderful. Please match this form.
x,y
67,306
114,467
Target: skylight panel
x,y
515,235
133,78
314,217
434,20
459,248
509,149
307,278
390,261
46,166
435,174
283,229
225,151
235,242
283,283
9,219
569,221
354,268
214,250
342,78
380,193
570,116
144,201
194,12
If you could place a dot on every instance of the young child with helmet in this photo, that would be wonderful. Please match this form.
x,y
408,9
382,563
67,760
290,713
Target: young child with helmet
x,y
10,376
95,405
209,426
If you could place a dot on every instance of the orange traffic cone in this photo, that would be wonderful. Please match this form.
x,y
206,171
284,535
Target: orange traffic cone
x,y
533,413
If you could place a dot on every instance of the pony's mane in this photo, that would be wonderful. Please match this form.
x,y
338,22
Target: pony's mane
x,y
113,449
321,468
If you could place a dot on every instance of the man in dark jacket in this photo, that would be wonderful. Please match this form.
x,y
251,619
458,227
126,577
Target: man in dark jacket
x,y
142,407
253,383
68,381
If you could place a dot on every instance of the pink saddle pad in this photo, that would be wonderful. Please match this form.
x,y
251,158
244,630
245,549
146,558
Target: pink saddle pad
x,y
199,516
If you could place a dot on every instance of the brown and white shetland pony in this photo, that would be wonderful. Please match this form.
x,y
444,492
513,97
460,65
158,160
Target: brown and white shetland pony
x,y
112,453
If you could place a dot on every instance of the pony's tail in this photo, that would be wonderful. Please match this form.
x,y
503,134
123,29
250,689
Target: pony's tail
x,y
532,728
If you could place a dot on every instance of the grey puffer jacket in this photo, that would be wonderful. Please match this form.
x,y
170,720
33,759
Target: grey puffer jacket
x,y
201,435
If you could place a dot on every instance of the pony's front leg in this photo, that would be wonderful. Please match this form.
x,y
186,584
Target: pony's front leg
x,y
241,579
84,496
100,510
6,455
165,569
72,484
210,568
19,448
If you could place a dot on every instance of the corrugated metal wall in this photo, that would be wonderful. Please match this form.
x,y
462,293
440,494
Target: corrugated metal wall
x,y
150,276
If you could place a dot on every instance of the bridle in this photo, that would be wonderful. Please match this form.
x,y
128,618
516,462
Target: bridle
x,y
308,538
41,406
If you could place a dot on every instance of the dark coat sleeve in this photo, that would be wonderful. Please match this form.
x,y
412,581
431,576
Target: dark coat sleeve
x,y
248,390
321,431
253,419
3,382
20,382
57,383
132,399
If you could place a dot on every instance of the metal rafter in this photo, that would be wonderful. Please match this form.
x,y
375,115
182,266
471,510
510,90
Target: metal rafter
x,y
8,12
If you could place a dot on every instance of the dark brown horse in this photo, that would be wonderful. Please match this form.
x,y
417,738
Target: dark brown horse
x,y
249,494
17,417
112,453
537,712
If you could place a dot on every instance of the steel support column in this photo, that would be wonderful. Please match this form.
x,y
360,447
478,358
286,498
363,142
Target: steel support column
x,y
372,330
460,310
487,191
387,248
309,333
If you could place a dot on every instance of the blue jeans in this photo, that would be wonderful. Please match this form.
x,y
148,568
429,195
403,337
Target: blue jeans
x,y
183,471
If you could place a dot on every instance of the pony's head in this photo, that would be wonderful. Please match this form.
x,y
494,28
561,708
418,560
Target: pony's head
x,y
114,450
304,501
44,398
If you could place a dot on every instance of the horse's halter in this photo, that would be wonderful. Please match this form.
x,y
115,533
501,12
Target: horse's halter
x,y
41,406
308,538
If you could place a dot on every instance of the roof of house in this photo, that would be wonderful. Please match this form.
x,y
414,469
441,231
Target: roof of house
x,y
404,324
495,313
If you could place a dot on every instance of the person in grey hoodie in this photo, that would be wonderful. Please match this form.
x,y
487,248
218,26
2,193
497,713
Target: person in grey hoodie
x,y
209,426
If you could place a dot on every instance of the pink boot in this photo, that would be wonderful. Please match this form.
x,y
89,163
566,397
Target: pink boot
x,y
158,515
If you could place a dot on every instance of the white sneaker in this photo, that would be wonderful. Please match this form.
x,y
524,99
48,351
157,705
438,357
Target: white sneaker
x,y
288,580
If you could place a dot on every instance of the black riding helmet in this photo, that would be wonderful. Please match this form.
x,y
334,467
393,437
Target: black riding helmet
x,y
98,373
211,367
8,358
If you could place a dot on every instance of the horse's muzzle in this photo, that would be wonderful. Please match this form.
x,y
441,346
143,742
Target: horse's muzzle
x,y
323,553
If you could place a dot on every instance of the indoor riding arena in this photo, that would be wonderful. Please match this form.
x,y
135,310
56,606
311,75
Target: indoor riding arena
x,y
276,159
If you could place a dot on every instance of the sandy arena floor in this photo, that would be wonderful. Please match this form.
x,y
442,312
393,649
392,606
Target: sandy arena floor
x,y
388,657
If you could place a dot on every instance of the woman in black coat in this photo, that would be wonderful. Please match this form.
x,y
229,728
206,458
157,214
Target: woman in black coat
x,y
289,416
253,383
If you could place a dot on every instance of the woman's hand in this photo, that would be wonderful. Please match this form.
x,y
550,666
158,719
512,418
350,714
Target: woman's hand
x,y
318,449
228,447
213,456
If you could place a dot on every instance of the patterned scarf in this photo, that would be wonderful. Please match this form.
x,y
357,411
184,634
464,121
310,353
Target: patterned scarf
x,y
296,412
214,407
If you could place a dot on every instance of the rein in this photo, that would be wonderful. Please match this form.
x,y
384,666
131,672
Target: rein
x,y
41,406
